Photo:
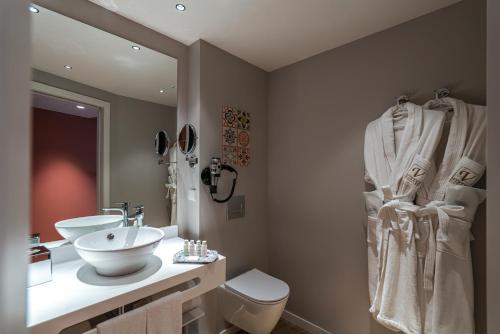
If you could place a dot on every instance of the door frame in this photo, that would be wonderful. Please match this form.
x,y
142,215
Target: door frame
x,y
103,137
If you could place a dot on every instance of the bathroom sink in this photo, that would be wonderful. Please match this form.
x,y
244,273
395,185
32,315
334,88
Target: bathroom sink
x,y
119,251
71,229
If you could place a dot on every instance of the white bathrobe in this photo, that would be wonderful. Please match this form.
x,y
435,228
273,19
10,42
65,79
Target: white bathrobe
x,y
450,307
449,301
397,166
462,155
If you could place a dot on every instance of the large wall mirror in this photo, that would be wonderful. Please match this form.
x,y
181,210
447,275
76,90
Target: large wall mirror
x,y
99,102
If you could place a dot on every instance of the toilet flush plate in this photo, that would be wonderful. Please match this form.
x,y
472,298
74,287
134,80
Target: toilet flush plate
x,y
235,207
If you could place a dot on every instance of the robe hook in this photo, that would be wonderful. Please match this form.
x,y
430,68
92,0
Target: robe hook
x,y
402,99
441,93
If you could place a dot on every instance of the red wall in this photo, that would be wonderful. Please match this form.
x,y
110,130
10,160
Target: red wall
x,y
64,170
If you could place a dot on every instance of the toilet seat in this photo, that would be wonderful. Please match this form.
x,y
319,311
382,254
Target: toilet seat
x,y
259,287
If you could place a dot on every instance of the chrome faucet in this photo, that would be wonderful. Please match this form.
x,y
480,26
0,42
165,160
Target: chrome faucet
x,y
123,209
128,220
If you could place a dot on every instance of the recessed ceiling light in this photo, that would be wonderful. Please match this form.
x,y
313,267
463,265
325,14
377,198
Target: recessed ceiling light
x,y
136,48
33,9
180,7
80,107
68,67
162,91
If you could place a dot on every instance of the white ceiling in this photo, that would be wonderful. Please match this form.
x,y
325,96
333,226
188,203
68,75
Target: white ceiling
x,y
272,33
64,106
101,60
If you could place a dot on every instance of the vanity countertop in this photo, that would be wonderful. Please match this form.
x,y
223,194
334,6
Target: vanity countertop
x,y
76,293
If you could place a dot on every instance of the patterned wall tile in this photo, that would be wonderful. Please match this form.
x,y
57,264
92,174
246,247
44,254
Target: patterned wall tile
x,y
229,136
243,156
243,120
230,155
229,117
243,138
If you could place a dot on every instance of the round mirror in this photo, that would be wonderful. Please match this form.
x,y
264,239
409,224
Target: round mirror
x,y
162,143
187,139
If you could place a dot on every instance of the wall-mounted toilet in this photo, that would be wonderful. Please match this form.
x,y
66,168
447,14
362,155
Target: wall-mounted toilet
x,y
253,301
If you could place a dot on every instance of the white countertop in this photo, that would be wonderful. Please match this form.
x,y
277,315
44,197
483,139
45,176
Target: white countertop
x,y
76,293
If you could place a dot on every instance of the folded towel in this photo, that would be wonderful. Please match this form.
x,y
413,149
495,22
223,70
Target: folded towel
x,y
133,322
164,316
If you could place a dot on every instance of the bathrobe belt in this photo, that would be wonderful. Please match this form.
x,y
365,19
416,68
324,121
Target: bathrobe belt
x,y
395,222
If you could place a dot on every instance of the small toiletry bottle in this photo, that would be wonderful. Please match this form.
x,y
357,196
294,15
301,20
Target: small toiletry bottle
x,y
191,248
186,248
204,249
198,248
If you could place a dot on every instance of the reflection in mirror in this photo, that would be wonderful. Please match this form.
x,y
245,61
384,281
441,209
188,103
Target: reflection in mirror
x,y
162,143
187,139
97,103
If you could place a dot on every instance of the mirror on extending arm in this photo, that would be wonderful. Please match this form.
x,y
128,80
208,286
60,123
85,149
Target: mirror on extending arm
x,y
162,143
187,143
187,139
98,100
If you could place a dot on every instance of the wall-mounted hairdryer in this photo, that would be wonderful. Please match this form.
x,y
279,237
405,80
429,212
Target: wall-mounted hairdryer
x,y
210,177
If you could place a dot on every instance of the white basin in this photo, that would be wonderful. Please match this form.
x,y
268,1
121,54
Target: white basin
x,y
119,251
72,229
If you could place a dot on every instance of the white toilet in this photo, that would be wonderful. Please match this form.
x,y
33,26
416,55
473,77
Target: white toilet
x,y
253,301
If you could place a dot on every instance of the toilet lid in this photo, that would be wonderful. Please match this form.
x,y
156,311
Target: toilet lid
x,y
259,286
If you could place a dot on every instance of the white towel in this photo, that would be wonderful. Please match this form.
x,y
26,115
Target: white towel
x,y
133,322
164,316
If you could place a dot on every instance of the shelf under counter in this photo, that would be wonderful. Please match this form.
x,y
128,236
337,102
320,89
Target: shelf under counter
x,y
76,293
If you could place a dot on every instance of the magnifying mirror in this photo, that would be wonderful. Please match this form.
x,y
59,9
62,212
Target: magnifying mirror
x,y
162,143
187,139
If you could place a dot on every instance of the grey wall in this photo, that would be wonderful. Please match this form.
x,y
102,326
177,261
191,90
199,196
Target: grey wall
x,y
15,136
218,78
318,110
493,211
228,80
135,175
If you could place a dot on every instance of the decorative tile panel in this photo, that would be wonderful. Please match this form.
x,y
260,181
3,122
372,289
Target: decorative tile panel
x,y
235,136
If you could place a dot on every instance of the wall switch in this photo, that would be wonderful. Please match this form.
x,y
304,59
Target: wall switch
x,y
236,207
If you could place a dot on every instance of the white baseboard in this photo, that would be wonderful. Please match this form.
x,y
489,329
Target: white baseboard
x,y
303,323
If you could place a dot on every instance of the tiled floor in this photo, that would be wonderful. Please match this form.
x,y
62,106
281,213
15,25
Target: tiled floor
x,y
284,327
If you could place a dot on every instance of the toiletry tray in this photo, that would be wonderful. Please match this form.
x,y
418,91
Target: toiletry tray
x,y
212,256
